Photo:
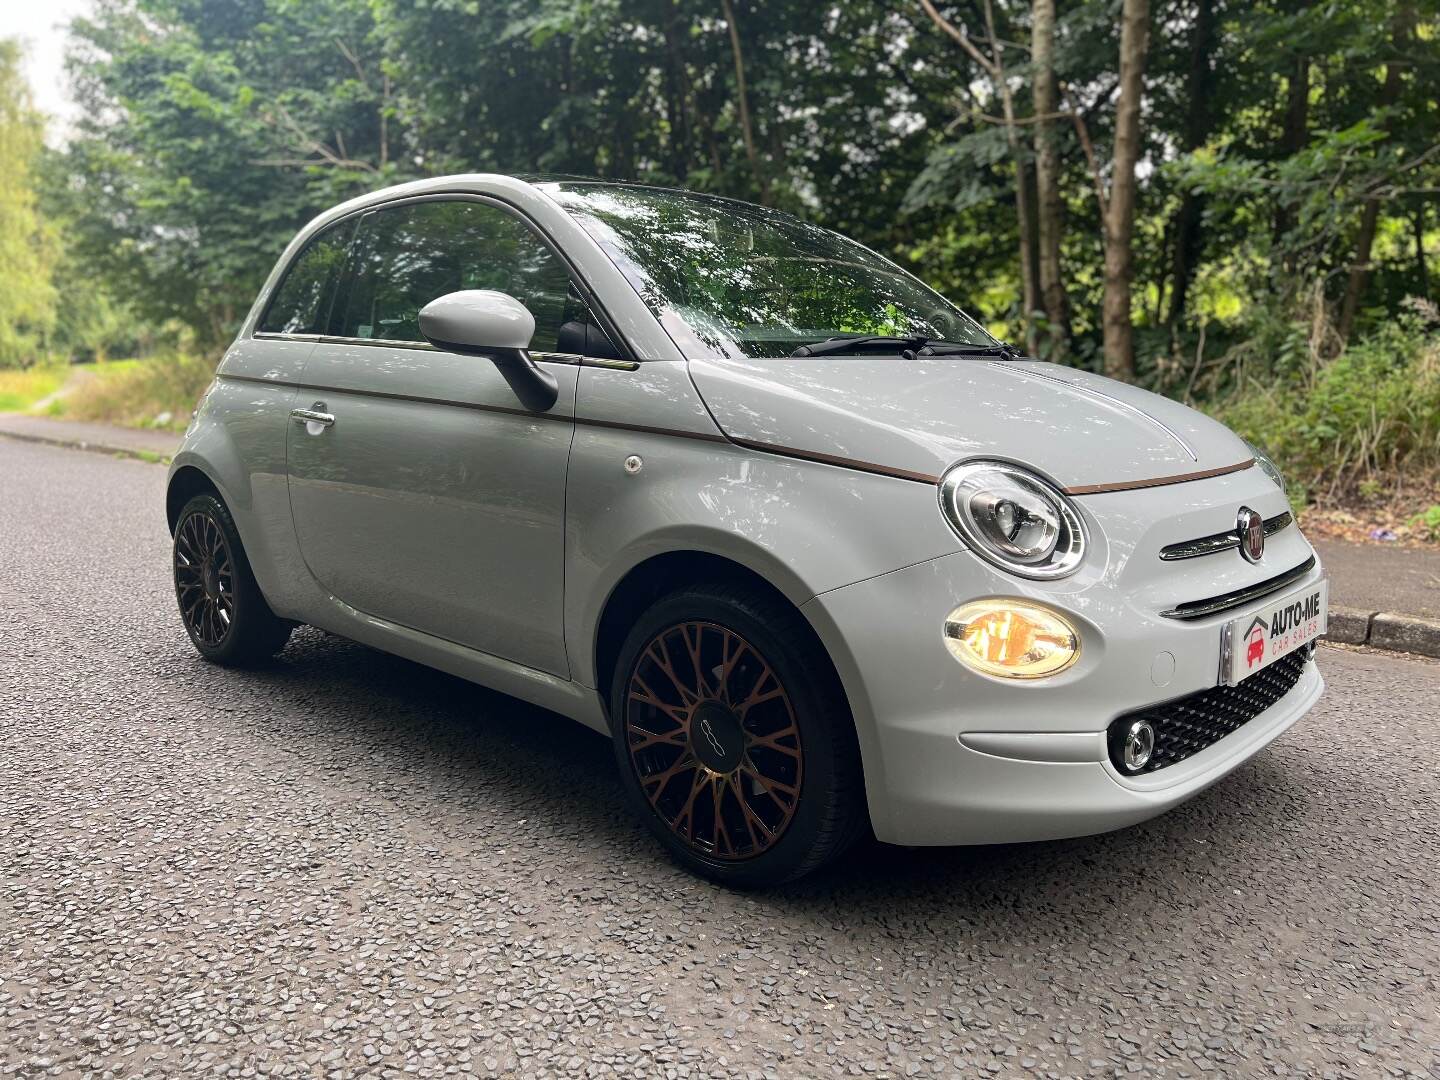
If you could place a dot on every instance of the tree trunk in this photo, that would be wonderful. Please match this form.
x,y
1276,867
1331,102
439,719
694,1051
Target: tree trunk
x,y
1120,218
1294,136
1031,235
1420,268
1200,87
1370,216
676,94
743,101
1028,277
1050,222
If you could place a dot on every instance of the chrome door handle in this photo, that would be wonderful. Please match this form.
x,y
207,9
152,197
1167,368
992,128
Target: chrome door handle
x,y
314,415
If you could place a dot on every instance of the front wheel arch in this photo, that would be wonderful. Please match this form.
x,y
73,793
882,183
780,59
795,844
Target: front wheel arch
x,y
825,814
647,581
186,482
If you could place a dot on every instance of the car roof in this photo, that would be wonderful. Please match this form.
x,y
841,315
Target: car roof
x,y
571,180
533,185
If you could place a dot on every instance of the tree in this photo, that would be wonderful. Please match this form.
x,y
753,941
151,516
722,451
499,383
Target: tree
x,y
1048,179
210,132
1403,22
1199,89
1119,211
27,248
994,66
742,101
996,147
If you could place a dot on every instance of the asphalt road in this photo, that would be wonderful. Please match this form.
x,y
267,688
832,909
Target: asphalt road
x,y
347,863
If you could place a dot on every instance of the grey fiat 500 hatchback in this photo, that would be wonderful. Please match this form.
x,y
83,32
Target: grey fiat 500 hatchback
x,y
813,549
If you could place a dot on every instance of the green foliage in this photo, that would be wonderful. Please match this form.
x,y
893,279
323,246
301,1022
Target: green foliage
x,y
22,388
27,245
1324,187
160,391
212,129
1428,521
1331,423
211,132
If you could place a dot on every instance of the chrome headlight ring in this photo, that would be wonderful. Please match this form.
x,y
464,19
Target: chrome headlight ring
x,y
1013,519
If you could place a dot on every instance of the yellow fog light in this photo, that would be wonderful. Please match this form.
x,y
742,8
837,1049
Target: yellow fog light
x,y
1011,639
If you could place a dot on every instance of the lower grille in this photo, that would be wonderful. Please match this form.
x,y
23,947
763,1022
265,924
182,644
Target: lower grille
x,y
1187,725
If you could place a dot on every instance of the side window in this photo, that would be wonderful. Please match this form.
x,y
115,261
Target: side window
x,y
409,255
301,304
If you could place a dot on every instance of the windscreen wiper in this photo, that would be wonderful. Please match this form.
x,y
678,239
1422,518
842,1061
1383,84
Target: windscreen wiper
x,y
921,346
1004,350
864,341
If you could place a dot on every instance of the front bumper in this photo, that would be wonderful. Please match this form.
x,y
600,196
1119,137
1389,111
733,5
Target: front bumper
x,y
954,757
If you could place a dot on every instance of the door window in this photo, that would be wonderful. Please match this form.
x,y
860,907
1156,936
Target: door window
x,y
301,304
410,255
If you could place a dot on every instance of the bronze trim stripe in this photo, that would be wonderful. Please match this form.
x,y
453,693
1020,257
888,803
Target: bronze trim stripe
x,y
841,462
1159,481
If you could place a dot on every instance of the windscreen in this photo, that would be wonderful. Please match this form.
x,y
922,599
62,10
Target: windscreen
x,y
731,279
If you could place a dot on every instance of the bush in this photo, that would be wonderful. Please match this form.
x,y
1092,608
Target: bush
x,y
159,391
1371,412
1428,522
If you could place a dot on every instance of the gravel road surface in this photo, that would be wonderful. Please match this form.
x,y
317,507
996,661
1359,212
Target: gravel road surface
x,y
347,864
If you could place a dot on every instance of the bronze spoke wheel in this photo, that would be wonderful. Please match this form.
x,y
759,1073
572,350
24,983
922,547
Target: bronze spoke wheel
x,y
713,739
205,579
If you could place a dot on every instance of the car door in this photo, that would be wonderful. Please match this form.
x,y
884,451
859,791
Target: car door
x,y
433,498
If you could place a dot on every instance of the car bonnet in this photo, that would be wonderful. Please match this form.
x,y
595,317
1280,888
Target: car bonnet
x,y
914,417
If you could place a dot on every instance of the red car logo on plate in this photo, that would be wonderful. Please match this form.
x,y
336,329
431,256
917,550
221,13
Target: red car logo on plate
x,y
1255,644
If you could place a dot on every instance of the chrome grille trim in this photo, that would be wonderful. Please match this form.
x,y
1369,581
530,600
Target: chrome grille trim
x,y
1198,609
1209,545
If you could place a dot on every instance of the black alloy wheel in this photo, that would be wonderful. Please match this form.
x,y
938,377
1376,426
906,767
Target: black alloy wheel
x,y
220,602
204,579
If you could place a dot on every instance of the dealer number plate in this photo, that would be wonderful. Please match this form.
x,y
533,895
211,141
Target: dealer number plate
x,y
1257,639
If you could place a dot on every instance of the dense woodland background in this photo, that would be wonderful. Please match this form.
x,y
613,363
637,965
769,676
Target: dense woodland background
x,y
1234,202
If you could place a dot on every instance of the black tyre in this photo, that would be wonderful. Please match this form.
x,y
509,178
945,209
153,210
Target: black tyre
x,y
224,613
734,739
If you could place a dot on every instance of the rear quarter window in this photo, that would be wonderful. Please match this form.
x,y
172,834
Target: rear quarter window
x,y
409,255
301,304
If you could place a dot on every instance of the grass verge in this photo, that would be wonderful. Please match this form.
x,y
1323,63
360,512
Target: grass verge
x,y
19,390
158,392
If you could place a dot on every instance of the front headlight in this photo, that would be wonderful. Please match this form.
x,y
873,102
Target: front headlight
x,y
1267,466
1013,518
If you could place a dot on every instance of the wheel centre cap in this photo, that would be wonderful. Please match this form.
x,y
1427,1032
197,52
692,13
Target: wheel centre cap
x,y
716,738
211,577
